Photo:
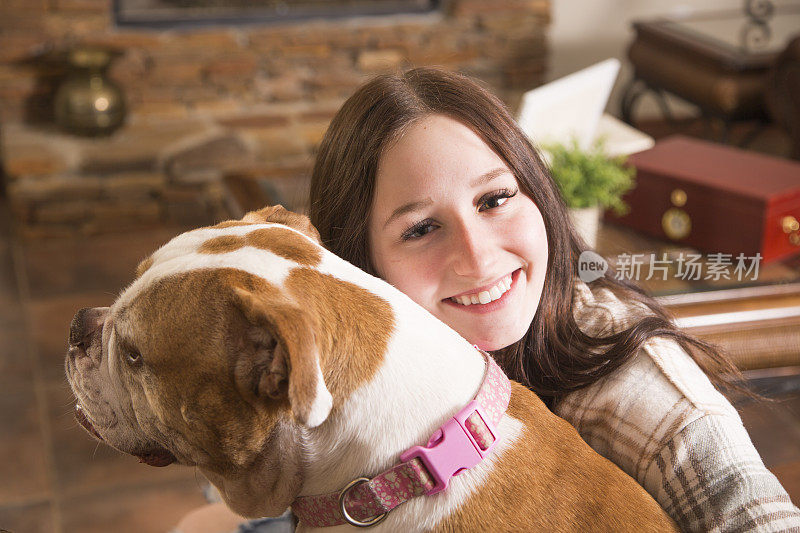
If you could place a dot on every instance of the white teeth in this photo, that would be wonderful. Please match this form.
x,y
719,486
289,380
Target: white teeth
x,y
484,297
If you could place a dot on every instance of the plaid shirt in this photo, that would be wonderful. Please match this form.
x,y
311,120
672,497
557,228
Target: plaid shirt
x,y
661,420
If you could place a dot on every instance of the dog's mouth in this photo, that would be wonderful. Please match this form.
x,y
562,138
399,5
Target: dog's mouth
x,y
80,416
158,456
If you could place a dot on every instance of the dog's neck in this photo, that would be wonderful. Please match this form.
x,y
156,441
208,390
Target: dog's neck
x,y
428,373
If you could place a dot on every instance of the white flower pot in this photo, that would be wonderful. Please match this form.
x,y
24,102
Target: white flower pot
x,y
587,221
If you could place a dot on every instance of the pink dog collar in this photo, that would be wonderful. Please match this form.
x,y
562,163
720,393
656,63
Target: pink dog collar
x,y
459,444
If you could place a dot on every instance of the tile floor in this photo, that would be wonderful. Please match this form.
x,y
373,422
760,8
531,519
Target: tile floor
x,y
54,478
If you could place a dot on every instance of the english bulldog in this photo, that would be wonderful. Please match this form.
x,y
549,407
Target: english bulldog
x,y
289,377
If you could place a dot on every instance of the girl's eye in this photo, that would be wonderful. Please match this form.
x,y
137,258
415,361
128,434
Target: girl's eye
x,y
420,229
495,199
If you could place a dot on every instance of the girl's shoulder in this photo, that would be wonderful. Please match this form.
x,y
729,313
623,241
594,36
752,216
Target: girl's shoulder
x,y
599,311
668,369
650,399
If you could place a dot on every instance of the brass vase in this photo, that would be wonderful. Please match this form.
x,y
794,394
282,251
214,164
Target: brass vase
x,y
87,102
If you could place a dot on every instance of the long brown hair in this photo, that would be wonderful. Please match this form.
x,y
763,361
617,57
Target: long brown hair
x,y
555,356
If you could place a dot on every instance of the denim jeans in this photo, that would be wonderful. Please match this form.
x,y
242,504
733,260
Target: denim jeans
x,y
281,524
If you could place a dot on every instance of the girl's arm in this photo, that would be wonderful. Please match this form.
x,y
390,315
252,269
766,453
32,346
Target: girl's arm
x,y
661,420
709,477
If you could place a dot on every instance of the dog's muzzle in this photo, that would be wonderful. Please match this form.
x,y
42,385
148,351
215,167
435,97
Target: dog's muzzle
x,y
85,332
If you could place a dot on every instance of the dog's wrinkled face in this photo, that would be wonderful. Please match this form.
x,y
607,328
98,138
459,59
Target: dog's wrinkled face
x,y
143,369
90,377
212,356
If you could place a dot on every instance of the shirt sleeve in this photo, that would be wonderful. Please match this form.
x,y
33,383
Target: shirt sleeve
x,y
709,477
661,420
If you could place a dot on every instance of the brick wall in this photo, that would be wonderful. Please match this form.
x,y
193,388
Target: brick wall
x,y
272,88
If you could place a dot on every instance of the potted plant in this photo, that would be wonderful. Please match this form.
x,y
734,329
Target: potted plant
x,y
590,182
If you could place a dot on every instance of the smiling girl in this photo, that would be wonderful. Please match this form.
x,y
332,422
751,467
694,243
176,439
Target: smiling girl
x,y
425,180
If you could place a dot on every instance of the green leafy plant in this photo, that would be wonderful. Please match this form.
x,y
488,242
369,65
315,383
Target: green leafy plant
x,y
590,178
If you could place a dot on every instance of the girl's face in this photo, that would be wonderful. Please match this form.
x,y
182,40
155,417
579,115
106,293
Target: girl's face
x,y
450,228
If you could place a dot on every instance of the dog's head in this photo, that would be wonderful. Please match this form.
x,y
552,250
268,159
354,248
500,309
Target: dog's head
x,y
232,342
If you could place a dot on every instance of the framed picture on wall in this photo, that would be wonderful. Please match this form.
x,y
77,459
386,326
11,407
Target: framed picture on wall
x,y
170,13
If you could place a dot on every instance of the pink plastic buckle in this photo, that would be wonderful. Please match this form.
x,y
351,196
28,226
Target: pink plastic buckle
x,y
452,448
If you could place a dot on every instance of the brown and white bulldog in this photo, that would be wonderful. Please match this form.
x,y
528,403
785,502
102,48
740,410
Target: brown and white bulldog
x,y
280,370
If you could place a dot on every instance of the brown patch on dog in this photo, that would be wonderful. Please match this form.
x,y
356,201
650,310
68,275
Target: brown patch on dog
x,y
280,241
279,215
581,490
286,244
353,329
222,244
144,266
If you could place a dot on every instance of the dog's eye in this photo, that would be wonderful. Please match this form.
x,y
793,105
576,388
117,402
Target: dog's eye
x,y
133,358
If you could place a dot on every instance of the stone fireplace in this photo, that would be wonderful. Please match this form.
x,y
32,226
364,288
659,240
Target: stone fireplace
x,y
209,101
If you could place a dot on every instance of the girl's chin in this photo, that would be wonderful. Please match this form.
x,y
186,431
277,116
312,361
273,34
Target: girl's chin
x,y
492,346
494,343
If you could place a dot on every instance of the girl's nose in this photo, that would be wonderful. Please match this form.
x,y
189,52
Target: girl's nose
x,y
470,252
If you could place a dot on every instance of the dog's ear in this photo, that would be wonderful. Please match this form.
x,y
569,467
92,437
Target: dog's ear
x,y
279,215
284,361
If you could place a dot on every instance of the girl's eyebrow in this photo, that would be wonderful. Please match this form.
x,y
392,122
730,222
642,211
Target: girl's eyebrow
x,y
485,178
407,208
481,180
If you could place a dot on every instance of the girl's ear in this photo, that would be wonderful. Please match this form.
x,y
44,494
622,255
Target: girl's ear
x,y
285,362
279,215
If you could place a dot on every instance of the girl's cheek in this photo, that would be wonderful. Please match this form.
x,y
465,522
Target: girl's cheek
x,y
423,275
403,272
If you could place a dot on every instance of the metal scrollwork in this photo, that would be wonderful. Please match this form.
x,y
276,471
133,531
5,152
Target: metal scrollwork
x,y
755,36
755,33
759,10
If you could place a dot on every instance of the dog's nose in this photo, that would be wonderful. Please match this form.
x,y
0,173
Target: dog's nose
x,y
86,323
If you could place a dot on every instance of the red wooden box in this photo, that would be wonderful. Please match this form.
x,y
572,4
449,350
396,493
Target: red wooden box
x,y
716,198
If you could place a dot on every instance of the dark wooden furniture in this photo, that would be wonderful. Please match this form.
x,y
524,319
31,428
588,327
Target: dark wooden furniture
x,y
718,61
717,198
783,93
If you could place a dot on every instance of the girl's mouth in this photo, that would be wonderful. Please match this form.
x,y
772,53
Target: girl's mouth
x,y
487,300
